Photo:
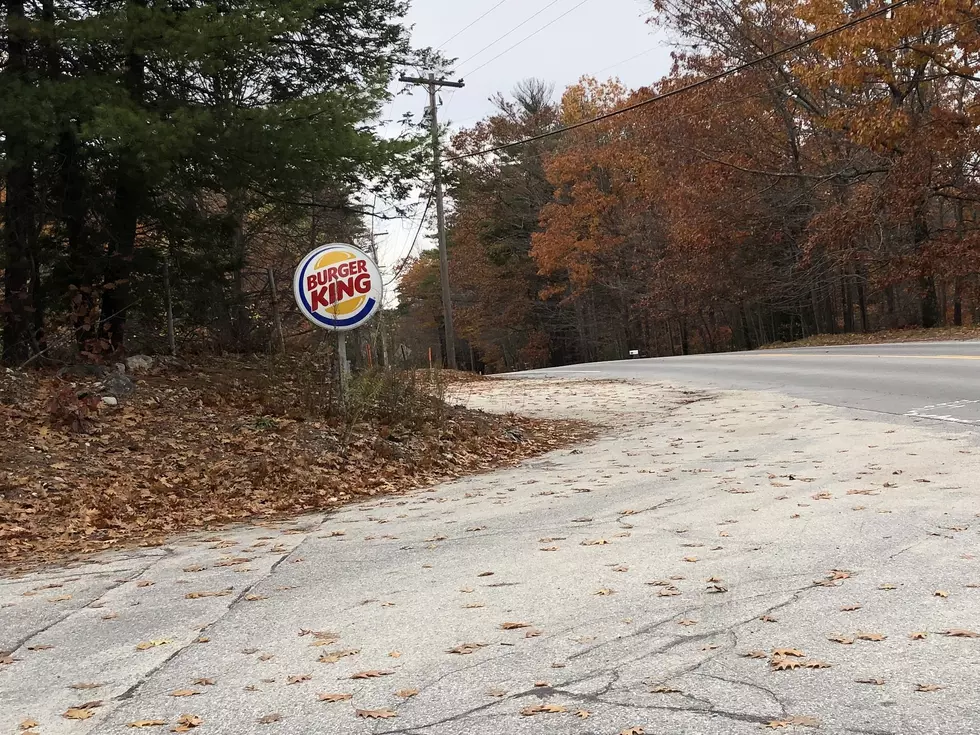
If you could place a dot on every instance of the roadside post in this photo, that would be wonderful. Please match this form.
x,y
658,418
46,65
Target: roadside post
x,y
338,287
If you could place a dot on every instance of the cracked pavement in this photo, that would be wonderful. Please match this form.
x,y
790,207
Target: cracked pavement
x,y
768,495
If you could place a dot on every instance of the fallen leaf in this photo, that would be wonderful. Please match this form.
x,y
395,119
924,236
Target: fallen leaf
x,y
595,542
755,654
605,592
334,697
184,693
669,592
532,633
77,713
332,658
202,594
185,723
496,692
632,731
371,674
485,574
394,654
466,648
941,593
28,724
690,559
549,548
927,687
664,689
145,583
269,719
146,645
769,619
59,598
146,723
850,608
473,606
255,598
870,636
376,714
85,685
960,633
687,622
582,714
514,626
846,640
815,664
298,678
794,721
540,709
541,684
785,664
918,635
876,682
780,652
40,647
887,587
716,589
406,693
195,568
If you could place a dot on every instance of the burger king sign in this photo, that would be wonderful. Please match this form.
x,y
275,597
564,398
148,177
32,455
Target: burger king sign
x,y
338,287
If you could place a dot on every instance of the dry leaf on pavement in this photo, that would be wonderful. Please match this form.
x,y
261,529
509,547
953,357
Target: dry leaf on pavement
x,y
28,724
927,687
785,664
376,714
186,723
184,693
146,723
298,678
85,685
582,714
514,626
632,731
372,674
780,652
334,697
465,648
146,645
876,681
77,713
755,654
961,633
793,721
870,636
406,693
332,658
270,718
919,635
541,709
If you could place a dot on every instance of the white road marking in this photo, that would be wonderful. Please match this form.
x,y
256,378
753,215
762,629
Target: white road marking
x,y
962,403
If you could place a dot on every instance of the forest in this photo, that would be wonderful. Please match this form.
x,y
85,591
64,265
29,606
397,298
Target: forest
x,y
828,190
166,161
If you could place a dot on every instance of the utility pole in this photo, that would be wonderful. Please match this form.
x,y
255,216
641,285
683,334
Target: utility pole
x,y
447,302
381,311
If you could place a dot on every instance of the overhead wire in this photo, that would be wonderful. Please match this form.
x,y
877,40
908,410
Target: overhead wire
x,y
470,25
890,8
501,38
526,38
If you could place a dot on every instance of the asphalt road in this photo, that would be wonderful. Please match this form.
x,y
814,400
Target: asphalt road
x,y
714,563
937,381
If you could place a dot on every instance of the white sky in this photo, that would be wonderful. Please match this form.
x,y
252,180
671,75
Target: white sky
x,y
602,38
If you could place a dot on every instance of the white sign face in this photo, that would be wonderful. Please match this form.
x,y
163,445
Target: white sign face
x,y
634,353
338,287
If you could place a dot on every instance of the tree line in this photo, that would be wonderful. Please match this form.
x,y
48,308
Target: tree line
x,y
833,189
176,150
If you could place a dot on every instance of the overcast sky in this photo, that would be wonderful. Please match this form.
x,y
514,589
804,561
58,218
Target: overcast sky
x,y
572,38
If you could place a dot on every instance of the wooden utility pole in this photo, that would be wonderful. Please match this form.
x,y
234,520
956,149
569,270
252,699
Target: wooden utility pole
x,y
447,303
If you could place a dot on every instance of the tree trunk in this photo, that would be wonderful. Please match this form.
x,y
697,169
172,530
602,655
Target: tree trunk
x,y
930,306
127,202
19,214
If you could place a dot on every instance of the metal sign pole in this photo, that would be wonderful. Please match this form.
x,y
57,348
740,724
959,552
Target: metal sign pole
x,y
343,367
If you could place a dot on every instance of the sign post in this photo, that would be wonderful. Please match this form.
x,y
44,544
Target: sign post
x,y
338,287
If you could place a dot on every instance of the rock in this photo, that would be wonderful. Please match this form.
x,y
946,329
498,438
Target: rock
x,y
110,400
117,385
83,371
139,363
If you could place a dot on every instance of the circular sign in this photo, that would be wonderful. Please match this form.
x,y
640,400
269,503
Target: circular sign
x,y
338,287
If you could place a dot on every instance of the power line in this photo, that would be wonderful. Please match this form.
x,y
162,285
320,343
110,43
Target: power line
x,y
527,38
501,38
408,256
694,85
626,61
470,25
